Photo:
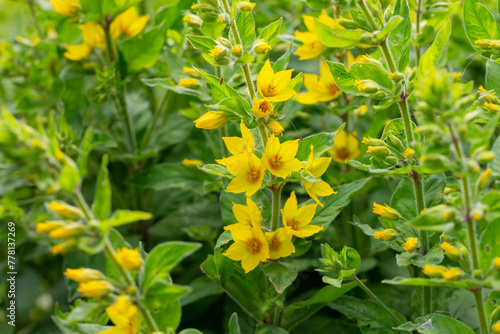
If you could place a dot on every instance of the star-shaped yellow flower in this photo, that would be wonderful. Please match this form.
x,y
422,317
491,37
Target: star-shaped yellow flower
x,y
237,145
248,173
280,159
317,167
274,86
248,216
298,220
250,247
280,243
345,147
128,23
124,315
320,88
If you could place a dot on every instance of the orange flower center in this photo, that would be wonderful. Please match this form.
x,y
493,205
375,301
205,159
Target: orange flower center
x,y
275,161
254,245
274,244
253,174
333,89
270,91
343,153
294,224
266,107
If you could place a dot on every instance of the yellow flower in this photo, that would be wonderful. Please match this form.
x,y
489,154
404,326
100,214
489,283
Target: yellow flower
x,y
190,71
129,259
245,6
211,120
317,167
262,47
312,47
248,216
237,145
262,108
94,288
248,172
189,83
125,316
280,243
320,88
452,252
385,235
434,271
385,211
274,86
48,226
221,20
298,220
83,275
409,153
66,231
345,147
496,327
218,52
65,210
128,23
192,163
250,247
93,35
190,18
453,274
77,52
279,158
411,244
66,7
237,50
275,127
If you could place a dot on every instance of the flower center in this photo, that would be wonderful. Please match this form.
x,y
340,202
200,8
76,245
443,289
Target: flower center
x,y
253,174
270,91
254,245
274,244
275,161
343,153
333,89
294,224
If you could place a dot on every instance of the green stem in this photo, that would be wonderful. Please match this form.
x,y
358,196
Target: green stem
x,y
276,192
478,296
375,298
151,126
417,24
368,15
110,252
33,12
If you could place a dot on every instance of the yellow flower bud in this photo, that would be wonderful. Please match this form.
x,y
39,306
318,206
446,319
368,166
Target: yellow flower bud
x,y
218,52
434,271
190,71
385,211
65,210
262,47
452,252
409,153
411,244
83,275
477,215
496,327
396,76
211,120
237,50
245,6
368,86
192,163
94,288
189,83
496,263
66,231
484,178
378,150
262,108
63,247
385,235
485,156
373,141
192,19
448,214
66,7
494,108
48,226
453,274
275,127
129,259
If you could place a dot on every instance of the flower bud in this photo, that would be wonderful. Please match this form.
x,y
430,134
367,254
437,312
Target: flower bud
x,y
189,83
378,150
191,163
237,50
409,153
246,6
262,108
434,271
496,327
262,47
496,263
452,252
477,214
361,111
66,231
95,288
129,259
368,86
397,76
373,141
218,52
48,226
190,71
64,247
484,178
65,210
485,156
211,120
386,235
448,214
275,127
411,244
386,211
192,20
83,275
453,274
395,141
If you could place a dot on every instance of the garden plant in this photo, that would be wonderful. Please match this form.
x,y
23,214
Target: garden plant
x,y
283,166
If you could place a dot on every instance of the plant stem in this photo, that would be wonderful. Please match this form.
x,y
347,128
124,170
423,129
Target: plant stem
x,y
417,24
471,227
223,129
32,8
375,298
151,126
110,252
276,192
405,115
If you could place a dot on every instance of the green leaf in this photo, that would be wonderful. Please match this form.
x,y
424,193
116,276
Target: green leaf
x,y
400,38
321,142
298,312
269,329
430,57
394,21
359,71
367,313
492,75
434,256
169,84
215,169
220,91
234,325
282,63
280,274
333,204
404,201
270,31
162,291
463,284
122,217
101,207
436,324
489,244
495,163
69,177
246,28
142,53
164,257
479,23
319,4
203,43
337,38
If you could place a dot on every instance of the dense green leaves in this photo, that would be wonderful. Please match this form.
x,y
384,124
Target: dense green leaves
x,y
320,142
436,324
430,57
479,23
